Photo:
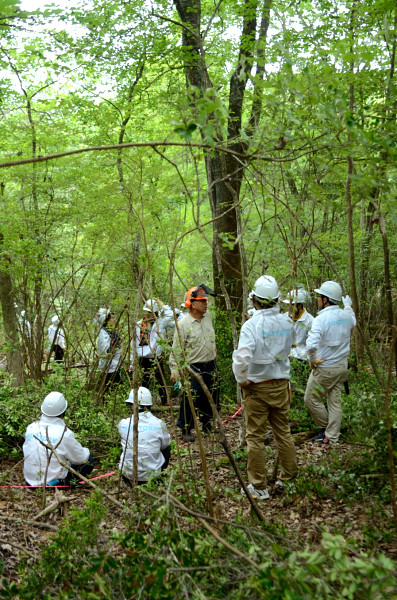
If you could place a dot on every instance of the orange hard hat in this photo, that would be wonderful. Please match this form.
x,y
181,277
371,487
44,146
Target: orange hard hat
x,y
195,293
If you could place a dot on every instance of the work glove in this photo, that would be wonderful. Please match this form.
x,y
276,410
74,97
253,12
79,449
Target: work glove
x,y
347,301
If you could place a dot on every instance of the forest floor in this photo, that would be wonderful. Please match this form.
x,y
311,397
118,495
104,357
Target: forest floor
x,y
302,517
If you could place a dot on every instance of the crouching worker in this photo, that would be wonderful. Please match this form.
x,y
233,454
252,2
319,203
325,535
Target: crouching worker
x,y
40,464
154,448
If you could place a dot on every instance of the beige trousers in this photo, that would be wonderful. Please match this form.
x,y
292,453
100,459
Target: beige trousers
x,y
268,403
326,382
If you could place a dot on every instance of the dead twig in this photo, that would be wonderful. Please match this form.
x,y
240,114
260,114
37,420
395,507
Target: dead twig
x,y
27,522
59,499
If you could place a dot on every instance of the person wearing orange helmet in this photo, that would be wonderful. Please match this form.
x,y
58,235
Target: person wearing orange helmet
x,y
195,343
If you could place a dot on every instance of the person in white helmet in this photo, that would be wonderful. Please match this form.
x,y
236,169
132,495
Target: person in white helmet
x,y
302,322
328,347
39,465
154,448
108,348
149,333
56,338
262,369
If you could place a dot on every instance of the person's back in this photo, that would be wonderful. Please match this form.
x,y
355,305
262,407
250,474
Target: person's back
x,y
153,440
51,428
330,334
268,337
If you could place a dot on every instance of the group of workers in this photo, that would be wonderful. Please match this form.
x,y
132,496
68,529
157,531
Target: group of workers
x,y
269,341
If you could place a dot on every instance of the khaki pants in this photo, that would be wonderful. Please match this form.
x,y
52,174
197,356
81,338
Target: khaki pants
x,y
326,382
263,403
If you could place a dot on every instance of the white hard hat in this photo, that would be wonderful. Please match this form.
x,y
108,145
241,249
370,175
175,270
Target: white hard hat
x,y
22,313
102,314
144,397
331,289
266,288
296,297
55,320
54,404
151,306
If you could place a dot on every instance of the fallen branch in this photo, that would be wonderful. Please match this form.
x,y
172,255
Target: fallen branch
x,y
27,522
13,545
59,499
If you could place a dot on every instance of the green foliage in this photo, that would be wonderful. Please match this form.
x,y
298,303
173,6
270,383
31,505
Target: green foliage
x,y
159,559
61,562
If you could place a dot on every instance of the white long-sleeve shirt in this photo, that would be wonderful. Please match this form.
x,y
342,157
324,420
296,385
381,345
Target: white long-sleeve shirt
x,y
153,348
152,438
103,348
264,345
302,327
60,337
35,455
329,337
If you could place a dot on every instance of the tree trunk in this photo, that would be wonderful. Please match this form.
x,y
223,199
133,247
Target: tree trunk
x,y
224,174
14,355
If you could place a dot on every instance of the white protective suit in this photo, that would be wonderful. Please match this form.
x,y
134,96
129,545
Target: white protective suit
x,y
60,337
264,345
302,327
35,455
329,338
152,438
103,349
153,348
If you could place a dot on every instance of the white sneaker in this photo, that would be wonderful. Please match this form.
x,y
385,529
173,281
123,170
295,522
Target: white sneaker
x,y
279,487
260,494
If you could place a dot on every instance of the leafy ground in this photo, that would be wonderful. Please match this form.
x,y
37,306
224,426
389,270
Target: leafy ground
x,y
332,494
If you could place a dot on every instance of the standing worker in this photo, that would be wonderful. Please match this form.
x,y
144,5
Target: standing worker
x,y
198,343
154,449
149,332
108,348
262,369
328,347
39,461
302,324
57,339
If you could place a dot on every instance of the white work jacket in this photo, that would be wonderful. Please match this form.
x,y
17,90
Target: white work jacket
x,y
60,338
35,455
302,327
103,348
153,348
264,345
329,338
167,322
152,438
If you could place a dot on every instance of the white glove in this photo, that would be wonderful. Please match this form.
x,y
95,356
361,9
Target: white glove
x,y
347,301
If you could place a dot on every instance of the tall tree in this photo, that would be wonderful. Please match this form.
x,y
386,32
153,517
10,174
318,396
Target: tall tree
x,y
225,171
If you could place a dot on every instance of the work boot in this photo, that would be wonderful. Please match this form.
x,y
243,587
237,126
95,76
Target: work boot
x,y
187,436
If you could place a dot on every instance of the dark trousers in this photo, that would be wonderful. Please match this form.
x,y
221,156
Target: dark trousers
x,y
210,374
167,455
149,370
58,353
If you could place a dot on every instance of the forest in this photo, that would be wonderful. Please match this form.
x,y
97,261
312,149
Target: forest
x,y
147,148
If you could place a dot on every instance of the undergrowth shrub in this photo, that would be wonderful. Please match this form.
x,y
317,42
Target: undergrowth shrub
x,y
163,556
